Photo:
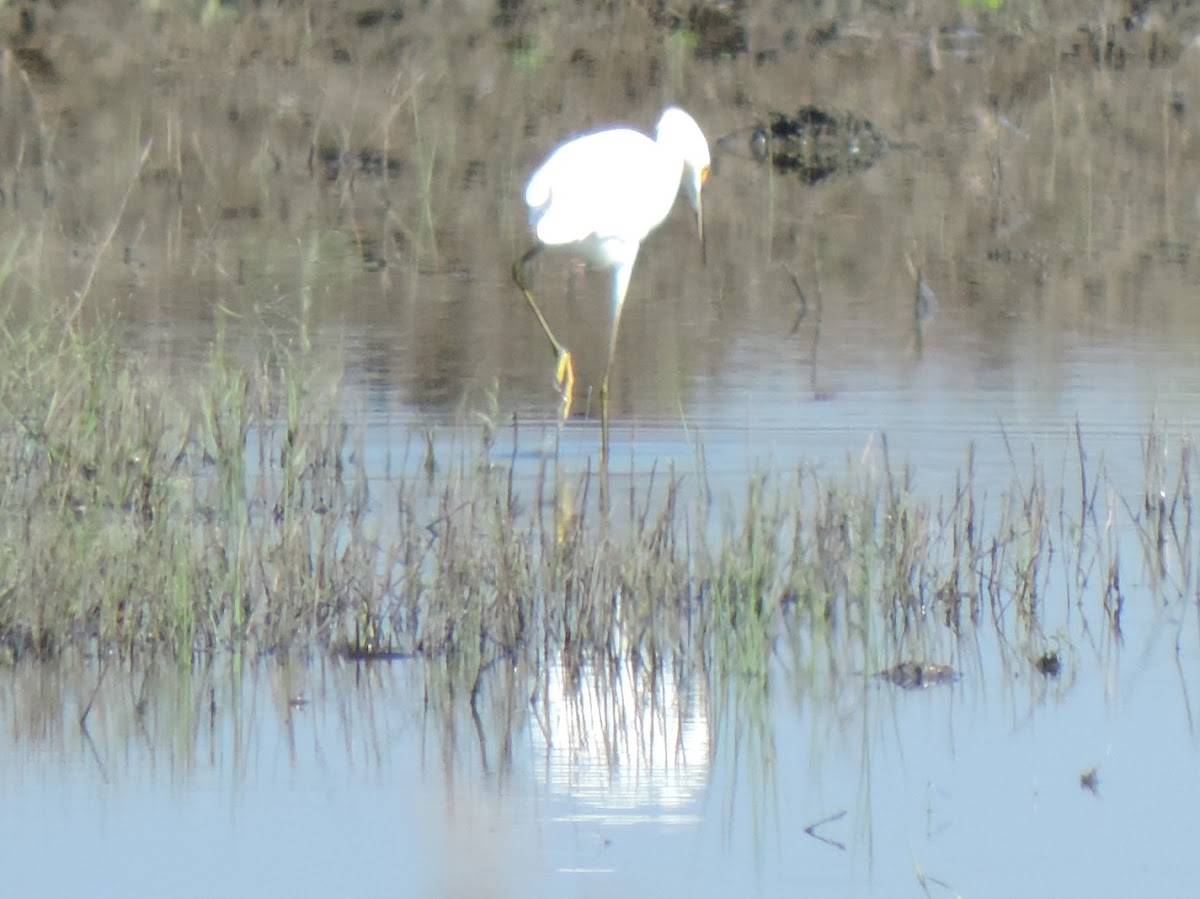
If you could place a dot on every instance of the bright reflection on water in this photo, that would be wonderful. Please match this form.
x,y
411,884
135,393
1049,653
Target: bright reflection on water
x,y
621,743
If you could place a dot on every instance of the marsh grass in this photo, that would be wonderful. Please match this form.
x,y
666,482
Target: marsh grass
x,y
239,515
137,516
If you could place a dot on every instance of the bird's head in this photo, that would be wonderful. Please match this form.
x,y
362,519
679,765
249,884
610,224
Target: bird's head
x,y
679,131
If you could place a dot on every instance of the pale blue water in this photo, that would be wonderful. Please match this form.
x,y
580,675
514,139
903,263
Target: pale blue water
x,y
975,786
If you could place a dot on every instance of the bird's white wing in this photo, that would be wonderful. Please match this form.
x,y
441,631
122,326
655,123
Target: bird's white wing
x,y
610,184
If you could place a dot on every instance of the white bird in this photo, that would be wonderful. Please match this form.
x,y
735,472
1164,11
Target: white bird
x,y
598,196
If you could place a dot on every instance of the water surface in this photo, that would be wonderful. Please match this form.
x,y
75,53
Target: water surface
x,y
1014,284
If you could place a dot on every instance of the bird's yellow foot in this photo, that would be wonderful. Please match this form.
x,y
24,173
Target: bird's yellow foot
x,y
564,380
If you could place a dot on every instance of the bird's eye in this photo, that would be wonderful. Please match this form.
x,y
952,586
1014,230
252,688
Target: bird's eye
x,y
704,173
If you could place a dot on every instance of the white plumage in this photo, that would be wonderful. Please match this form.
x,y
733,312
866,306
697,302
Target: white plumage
x,y
598,196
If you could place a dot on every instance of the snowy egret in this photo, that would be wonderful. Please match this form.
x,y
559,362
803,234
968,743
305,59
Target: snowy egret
x,y
598,196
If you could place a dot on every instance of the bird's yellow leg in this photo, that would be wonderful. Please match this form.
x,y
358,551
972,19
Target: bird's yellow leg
x,y
564,379
564,368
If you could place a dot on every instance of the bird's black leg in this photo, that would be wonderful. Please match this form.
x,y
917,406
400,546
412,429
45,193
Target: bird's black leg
x,y
564,371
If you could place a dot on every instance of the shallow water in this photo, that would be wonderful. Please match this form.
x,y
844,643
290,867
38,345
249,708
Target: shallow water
x,y
310,779
1048,200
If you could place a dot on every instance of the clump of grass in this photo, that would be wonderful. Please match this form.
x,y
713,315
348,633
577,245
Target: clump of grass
x,y
136,516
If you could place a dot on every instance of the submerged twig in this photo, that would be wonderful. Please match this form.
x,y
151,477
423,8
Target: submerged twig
x,y
87,708
811,830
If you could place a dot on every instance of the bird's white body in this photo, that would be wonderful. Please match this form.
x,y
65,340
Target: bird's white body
x,y
601,194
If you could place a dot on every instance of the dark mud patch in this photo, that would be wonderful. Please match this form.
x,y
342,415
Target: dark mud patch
x,y
918,675
815,143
